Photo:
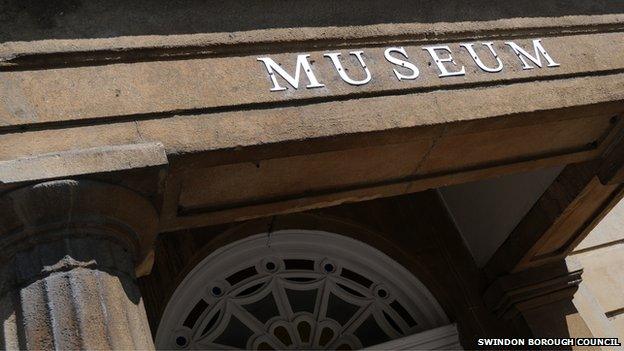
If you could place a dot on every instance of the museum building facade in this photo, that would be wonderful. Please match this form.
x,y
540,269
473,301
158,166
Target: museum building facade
x,y
299,175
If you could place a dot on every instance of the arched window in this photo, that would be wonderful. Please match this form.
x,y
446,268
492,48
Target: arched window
x,y
296,289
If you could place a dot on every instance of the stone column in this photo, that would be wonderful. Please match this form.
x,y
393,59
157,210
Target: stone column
x,y
70,254
538,301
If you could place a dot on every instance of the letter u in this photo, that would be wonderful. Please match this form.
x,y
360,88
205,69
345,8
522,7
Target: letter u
x,y
335,57
478,61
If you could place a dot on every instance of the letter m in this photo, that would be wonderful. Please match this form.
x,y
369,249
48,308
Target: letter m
x,y
302,63
538,50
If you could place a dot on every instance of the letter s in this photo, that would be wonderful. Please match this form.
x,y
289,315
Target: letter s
x,y
402,63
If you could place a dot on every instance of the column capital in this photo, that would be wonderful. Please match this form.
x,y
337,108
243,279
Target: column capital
x,y
516,293
52,210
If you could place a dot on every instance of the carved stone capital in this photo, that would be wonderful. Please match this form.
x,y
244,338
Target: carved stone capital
x,y
516,293
71,250
61,209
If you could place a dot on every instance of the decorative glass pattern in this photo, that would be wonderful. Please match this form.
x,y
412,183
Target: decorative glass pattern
x,y
286,297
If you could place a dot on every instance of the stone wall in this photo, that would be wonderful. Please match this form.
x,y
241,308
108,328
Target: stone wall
x,y
600,299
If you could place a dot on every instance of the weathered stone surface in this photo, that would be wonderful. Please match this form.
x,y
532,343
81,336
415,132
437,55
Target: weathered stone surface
x,y
84,85
354,123
79,162
192,27
77,205
610,230
239,151
191,86
71,254
603,275
75,293
463,133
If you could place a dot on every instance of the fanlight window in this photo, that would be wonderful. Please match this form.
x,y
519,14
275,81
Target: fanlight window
x,y
296,290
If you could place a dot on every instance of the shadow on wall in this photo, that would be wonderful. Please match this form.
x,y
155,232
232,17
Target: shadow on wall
x,y
25,20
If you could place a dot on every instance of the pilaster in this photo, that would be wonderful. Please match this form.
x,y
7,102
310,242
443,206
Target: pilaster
x,y
538,301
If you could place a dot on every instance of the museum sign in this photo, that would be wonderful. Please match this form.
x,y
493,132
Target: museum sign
x,y
484,56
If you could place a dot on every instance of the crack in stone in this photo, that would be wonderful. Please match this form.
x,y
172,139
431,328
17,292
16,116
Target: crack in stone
x,y
426,155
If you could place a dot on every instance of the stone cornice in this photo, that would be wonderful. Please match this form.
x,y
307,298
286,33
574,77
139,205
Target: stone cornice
x,y
82,161
41,54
